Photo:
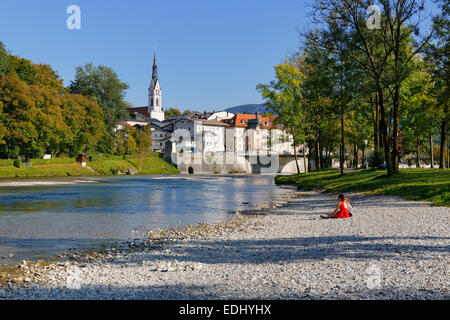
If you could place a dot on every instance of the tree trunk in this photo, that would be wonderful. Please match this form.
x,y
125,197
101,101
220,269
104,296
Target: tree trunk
x,y
341,162
376,130
418,155
294,141
318,150
448,154
443,136
304,156
395,149
296,158
363,160
431,151
384,130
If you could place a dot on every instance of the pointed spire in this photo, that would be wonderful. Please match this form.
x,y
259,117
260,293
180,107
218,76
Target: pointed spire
x,y
155,69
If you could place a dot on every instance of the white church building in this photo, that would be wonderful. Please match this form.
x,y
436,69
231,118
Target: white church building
x,y
154,95
154,108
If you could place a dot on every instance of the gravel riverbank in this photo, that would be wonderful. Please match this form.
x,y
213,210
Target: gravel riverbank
x,y
390,249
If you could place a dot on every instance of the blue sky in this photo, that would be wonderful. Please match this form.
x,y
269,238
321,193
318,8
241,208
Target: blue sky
x,y
211,54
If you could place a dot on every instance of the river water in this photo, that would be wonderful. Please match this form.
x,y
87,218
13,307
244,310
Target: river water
x,y
41,218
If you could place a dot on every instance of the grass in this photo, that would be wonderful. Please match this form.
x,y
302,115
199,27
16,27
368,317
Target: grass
x,y
144,165
49,170
147,164
414,184
153,165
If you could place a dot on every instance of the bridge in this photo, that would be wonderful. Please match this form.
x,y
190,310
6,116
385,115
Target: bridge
x,y
226,163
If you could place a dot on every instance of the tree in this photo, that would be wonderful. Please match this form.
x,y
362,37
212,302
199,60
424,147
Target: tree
x,y
438,59
131,146
143,140
3,60
102,86
38,115
400,21
85,120
19,117
284,97
171,112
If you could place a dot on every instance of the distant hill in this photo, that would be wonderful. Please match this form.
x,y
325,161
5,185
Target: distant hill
x,y
249,108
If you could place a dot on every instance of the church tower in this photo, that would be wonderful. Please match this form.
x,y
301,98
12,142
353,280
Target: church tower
x,y
154,95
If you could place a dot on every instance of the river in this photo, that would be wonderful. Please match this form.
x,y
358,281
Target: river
x,y
41,218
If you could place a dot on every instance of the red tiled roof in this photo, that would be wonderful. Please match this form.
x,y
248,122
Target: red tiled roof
x,y
241,120
214,123
141,110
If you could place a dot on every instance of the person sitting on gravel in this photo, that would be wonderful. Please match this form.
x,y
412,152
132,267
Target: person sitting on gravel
x,y
341,210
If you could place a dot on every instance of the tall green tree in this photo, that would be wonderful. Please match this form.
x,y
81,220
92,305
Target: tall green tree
x,y
437,58
284,97
388,64
102,85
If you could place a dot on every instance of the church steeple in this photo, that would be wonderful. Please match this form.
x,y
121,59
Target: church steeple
x,y
155,70
154,94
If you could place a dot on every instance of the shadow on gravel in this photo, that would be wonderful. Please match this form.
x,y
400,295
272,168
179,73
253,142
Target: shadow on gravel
x,y
296,249
224,292
308,248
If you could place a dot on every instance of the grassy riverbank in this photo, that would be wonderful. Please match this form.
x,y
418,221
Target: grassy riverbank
x,y
414,184
100,166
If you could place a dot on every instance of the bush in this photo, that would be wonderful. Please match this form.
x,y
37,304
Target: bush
x,y
376,158
17,163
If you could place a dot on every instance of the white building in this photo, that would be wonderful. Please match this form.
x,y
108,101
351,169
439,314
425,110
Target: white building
x,y
199,135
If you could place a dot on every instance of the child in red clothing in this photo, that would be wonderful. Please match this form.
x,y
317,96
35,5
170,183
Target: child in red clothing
x,y
341,210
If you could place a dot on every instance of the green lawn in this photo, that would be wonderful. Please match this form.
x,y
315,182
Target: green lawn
x,y
145,165
49,170
148,164
415,184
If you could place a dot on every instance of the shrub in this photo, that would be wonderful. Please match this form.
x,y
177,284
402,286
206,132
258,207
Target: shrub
x,y
17,163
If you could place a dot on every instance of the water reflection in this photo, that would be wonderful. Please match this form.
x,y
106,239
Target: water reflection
x,y
42,220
